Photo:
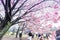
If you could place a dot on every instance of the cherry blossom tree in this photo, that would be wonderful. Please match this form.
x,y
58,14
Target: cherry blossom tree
x,y
45,19
23,8
10,8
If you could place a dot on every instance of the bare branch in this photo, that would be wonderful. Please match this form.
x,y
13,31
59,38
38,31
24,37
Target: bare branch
x,y
2,2
19,8
26,11
9,4
31,8
9,8
5,7
38,9
19,22
14,4
35,5
17,19
22,21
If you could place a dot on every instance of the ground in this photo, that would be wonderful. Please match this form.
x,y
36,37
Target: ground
x,y
12,37
9,37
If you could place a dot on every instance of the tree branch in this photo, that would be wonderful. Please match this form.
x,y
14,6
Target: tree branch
x,y
9,4
5,7
31,8
19,22
9,8
35,5
2,2
17,19
19,8
26,11
14,4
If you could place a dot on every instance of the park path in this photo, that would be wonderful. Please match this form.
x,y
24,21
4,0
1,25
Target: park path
x,y
9,37
12,37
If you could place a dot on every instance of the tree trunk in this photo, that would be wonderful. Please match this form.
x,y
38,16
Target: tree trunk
x,y
17,32
2,32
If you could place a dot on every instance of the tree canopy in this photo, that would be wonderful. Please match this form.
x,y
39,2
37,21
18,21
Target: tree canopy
x,y
10,8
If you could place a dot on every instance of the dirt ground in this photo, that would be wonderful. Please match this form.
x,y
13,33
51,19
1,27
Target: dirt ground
x,y
9,37
12,37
